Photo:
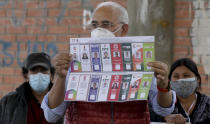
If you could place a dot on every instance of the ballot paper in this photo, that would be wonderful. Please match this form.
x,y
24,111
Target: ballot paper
x,y
110,69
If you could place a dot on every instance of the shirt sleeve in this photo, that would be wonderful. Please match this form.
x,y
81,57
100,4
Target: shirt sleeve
x,y
155,105
53,115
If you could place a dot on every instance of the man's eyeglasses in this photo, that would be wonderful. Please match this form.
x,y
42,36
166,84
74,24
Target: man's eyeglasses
x,y
104,24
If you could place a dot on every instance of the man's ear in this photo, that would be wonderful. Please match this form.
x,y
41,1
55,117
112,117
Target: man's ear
x,y
124,30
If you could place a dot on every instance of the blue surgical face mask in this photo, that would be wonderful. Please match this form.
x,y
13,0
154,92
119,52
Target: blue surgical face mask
x,y
39,82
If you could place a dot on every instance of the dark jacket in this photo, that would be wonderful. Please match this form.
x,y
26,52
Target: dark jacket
x,y
200,114
14,107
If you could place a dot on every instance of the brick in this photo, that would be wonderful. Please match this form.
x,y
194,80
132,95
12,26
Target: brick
x,y
17,29
191,52
1,94
26,38
9,37
200,69
50,4
121,2
6,87
35,12
2,12
180,56
53,4
63,46
181,50
63,38
78,30
183,23
51,21
32,4
183,4
205,89
2,29
76,12
23,55
181,32
204,80
84,35
94,3
54,12
22,45
29,21
58,29
19,4
5,21
7,5
71,21
1,79
13,47
36,30
18,71
18,13
182,13
7,71
74,4
185,41
47,38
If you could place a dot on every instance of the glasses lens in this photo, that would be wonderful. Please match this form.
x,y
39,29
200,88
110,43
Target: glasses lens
x,y
106,25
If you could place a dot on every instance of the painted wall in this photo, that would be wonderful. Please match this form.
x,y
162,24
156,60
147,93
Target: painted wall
x,y
38,25
154,17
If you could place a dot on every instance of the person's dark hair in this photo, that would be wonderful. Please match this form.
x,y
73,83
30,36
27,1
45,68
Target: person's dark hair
x,y
190,64
25,71
34,59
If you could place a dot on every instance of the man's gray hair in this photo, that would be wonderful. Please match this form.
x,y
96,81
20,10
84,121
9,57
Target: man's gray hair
x,y
123,15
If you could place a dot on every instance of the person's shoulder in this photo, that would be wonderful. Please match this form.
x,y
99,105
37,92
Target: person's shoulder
x,y
11,96
205,98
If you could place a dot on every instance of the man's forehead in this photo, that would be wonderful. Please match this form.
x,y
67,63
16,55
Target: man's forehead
x,y
105,13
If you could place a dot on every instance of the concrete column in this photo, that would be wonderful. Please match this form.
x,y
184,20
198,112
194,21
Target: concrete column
x,y
154,17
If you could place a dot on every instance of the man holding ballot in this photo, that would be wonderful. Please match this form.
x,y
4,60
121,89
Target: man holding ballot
x,y
109,20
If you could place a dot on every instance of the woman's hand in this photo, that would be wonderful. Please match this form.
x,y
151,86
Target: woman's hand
x,y
175,119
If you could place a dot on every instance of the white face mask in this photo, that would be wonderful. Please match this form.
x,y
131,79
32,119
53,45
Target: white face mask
x,y
39,82
102,32
184,87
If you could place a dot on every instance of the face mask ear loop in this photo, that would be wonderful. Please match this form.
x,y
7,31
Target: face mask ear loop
x,y
117,29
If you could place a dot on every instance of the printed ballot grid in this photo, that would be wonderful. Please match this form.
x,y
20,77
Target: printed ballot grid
x,y
120,61
108,87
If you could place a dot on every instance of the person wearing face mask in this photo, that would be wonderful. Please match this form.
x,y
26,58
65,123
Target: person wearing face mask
x,y
109,20
23,105
191,106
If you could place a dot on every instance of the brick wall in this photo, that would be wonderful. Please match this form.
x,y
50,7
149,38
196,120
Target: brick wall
x,y
38,25
191,35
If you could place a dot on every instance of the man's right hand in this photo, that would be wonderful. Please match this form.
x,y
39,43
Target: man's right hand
x,y
175,119
61,63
